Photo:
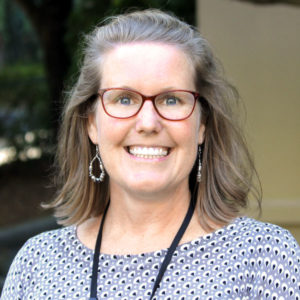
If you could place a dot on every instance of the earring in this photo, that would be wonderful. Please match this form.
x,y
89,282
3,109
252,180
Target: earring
x,y
199,164
102,171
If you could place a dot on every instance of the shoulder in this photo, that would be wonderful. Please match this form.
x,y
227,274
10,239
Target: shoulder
x,y
272,257
245,238
46,241
263,238
267,256
38,248
256,232
42,244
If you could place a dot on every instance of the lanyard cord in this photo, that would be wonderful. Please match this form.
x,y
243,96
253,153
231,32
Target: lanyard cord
x,y
93,294
165,263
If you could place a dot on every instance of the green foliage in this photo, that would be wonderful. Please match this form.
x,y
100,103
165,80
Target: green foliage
x,y
24,104
24,101
21,71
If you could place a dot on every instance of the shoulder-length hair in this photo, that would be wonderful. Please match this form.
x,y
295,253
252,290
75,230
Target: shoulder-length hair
x,y
227,167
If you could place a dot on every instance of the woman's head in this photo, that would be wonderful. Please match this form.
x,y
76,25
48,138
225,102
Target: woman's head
x,y
148,147
227,166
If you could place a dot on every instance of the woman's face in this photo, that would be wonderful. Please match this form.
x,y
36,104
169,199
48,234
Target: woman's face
x,y
149,68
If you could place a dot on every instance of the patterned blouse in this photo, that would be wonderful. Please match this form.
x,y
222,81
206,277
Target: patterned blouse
x,y
246,259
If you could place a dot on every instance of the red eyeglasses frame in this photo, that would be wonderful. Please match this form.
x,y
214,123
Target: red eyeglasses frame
x,y
150,98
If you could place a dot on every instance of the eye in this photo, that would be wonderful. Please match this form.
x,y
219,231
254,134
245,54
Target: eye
x,y
171,100
124,100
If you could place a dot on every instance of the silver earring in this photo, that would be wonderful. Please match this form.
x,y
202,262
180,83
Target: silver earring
x,y
199,164
102,171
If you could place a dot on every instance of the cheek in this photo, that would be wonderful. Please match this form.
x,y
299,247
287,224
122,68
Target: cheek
x,y
186,137
189,129
111,131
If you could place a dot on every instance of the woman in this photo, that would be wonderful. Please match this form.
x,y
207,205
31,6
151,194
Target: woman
x,y
154,175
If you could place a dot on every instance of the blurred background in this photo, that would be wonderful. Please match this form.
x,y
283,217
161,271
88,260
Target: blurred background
x,y
257,42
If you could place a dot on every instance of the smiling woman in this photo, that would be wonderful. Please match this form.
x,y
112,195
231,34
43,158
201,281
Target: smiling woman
x,y
154,68
154,174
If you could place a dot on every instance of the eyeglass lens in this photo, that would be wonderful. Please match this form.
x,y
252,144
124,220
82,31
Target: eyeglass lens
x,y
173,105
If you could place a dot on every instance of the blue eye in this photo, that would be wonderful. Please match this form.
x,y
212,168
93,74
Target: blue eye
x,y
171,101
125,101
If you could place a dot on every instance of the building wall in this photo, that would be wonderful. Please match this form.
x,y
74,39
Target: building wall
x,y
259,46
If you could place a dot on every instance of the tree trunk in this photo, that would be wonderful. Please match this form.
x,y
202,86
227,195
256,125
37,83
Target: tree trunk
x,y
49,20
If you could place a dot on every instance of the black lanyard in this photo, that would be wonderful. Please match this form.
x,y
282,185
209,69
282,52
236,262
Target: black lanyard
x,y
164,265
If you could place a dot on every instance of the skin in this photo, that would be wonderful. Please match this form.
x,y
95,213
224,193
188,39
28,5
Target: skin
x,y
149,197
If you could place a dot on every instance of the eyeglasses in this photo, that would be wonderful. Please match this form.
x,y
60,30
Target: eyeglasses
x,y
175,105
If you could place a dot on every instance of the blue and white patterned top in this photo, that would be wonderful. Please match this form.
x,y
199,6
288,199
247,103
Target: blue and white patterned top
x,y
245,260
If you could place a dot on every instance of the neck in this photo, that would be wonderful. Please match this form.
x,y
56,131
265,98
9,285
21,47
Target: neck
x,y
137,225
142,215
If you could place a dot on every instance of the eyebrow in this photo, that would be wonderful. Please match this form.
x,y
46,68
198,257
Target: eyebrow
x,y
166,89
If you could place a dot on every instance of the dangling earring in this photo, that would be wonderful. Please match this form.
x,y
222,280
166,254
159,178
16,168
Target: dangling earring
x,y
102,173
199,164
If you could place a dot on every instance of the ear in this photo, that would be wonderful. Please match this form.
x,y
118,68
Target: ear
x,y
201,134
92,128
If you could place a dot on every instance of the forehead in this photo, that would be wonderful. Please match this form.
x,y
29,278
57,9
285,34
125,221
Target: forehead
x,y
147,62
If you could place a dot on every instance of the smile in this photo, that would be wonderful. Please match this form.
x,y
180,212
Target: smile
x,y
148,152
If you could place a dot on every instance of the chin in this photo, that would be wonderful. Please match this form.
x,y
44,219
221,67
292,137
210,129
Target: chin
x,y
148,187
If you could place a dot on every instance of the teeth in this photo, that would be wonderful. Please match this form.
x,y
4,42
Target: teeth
x,y
145,152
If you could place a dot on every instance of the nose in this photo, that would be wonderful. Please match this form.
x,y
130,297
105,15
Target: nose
x,y
148,120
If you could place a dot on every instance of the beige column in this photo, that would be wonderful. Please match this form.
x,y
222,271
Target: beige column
x,y
259,46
